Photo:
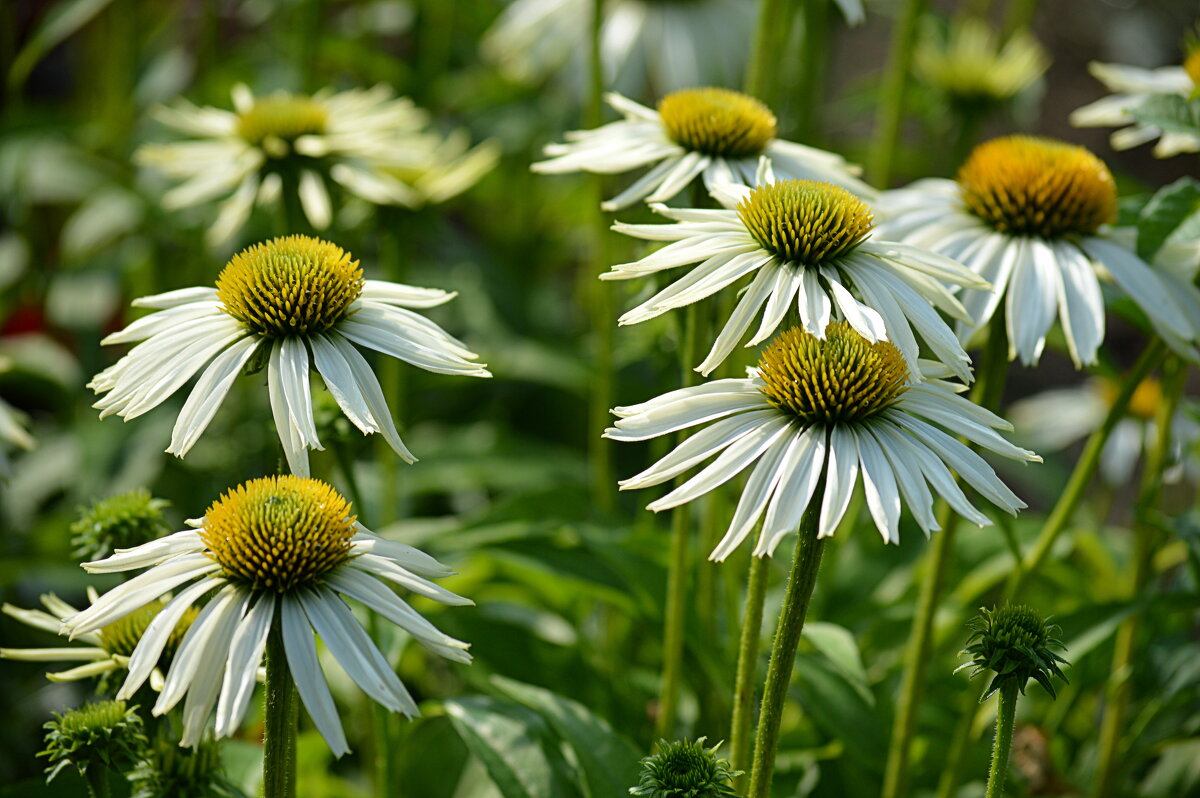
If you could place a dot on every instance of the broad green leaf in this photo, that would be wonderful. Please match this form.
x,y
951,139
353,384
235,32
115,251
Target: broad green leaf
x,y
608,763
839,646
1169,208
1170,112
510,742
835,704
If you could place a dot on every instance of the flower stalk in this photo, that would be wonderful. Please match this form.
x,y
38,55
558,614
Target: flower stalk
x,y
803,578
282,719
892,91
1112,724
1002,747
747,661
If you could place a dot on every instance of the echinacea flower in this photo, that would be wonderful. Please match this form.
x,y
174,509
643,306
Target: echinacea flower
x,y
824,409
1058,417
108,648
96,738
300,302
809,245
1031,216
277,553
367,142
1133,88
973,67
717,134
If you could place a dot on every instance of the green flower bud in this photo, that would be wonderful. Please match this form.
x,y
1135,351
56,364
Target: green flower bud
x,y
104,735
1015,643
118,522
685,769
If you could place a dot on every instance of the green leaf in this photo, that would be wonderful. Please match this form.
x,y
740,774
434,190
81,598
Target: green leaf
x,y
61,22
510,741
839,646
1171,113
1173,205
607,762
834,703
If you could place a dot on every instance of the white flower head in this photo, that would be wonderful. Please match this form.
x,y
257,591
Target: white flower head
x,y
835,407
300,302
1056,418
716,134
277,552
971,65
107,648
366,142
1031,216
810,245
1133,87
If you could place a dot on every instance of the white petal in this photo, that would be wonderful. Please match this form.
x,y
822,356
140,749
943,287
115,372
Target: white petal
x,y
840,478
211,389
158,633
879,486
301,653
245,655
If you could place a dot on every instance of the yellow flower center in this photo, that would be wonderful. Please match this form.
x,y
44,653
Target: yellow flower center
x,y
1191,65
1145,400
717,122
283,117
1026,185
279,533
804,221
294,285
121,637
841,379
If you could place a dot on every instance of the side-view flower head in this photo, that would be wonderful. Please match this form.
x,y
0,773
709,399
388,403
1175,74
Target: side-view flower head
x,y
367,142
820,412
300,302
280,554
108,648
1031,216
1016,644
806,244
716,134
1134,87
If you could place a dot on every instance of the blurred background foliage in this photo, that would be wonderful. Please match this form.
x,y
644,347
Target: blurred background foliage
x,y
569,593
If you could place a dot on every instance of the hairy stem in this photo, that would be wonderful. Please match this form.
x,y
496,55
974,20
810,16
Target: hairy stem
x,y
1005,719
891,92
747,662
281,720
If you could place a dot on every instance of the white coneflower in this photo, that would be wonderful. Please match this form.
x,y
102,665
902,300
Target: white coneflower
x,y
1133,88
833,407
809,245
1056,418
717,134
302,302
1031,216
279,552
367,142
973,67
108,648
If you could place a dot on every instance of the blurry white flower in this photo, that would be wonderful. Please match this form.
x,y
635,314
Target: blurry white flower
x,y
717,134
300,302
1133,87
1030,215
280,552
830,408
108,648
369,143
971,65
1056,418
807,245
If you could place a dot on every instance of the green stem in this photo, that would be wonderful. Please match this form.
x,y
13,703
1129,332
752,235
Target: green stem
x,y
346,466
803,578
1112,725
747,663
281,720
988,391
814,55
1052,527
1005,719
774,18
96,776
677,571
892,89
